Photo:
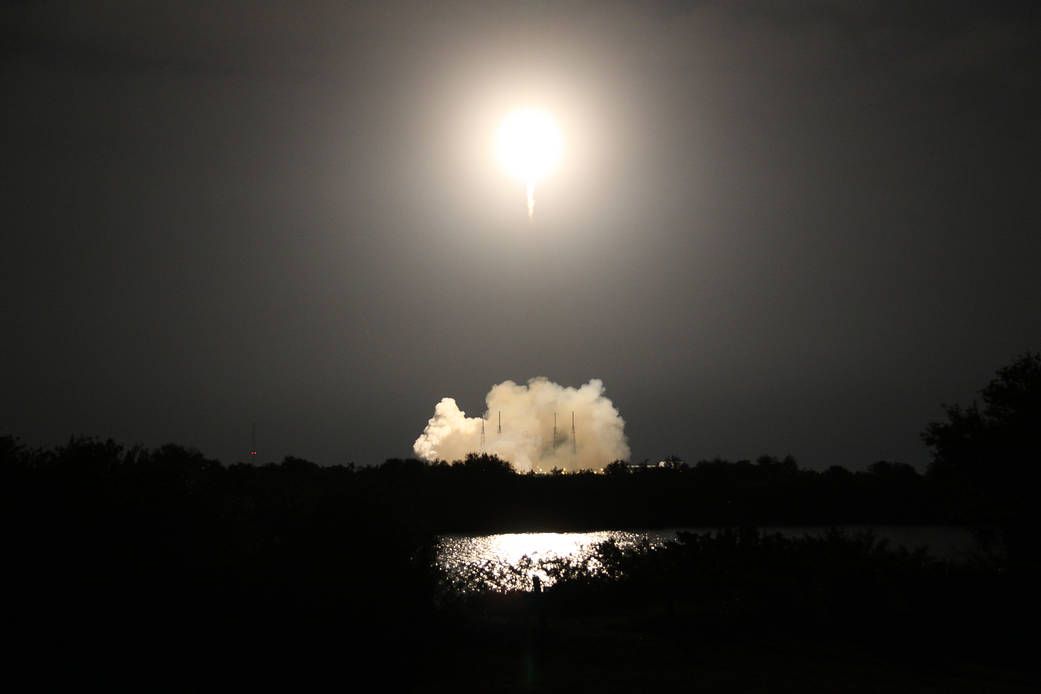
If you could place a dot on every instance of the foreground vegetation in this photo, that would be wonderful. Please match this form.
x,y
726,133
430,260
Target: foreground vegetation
x,y
164,561
165,555
740,610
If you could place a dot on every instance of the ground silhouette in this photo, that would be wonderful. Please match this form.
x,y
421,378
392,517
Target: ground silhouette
x,y
169,561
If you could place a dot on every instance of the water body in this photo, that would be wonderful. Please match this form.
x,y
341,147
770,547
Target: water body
x,y
510,561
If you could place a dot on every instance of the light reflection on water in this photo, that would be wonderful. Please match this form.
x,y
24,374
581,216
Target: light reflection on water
x,y
510,561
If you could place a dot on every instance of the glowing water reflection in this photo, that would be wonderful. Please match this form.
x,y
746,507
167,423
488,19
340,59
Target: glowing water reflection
x,y
511,561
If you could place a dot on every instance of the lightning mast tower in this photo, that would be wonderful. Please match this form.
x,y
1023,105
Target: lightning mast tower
x,y
574,444
500,424
253,441
554,431
482,433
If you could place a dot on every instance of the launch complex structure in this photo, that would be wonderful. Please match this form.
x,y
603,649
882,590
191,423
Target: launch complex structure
x,y
557,440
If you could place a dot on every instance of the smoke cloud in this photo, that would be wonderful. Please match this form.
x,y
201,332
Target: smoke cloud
x,y
527,439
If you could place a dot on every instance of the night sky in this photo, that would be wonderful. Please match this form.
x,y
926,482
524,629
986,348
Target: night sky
x,y
775,228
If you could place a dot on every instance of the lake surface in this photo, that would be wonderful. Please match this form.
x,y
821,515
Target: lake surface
x,y
509,561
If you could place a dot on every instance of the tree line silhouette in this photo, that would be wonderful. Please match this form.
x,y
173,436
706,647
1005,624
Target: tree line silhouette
x,y
482,492
984,469
96,533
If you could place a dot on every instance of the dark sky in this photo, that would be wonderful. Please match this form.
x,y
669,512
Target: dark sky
x,y
776,227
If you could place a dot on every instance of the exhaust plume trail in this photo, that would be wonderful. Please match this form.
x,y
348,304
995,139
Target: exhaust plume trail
x,y
526,438
529,146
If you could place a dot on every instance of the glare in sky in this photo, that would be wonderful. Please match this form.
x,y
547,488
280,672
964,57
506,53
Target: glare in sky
x,y
529,146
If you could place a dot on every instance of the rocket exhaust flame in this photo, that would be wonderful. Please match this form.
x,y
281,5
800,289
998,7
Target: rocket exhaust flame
x,y
527,436
529,146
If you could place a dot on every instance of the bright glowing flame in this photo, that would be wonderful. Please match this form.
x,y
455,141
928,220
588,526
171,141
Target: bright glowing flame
x,y
529,146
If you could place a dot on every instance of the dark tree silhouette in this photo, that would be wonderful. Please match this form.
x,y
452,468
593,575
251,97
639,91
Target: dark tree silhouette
x,y
991,455
484,464
167,547
674,462
999,445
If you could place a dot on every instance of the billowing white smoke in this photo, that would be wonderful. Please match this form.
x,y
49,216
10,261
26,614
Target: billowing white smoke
x,y
527,439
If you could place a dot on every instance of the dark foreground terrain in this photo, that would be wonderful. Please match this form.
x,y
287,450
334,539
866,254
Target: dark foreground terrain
x,y
147,568
741,611
162,566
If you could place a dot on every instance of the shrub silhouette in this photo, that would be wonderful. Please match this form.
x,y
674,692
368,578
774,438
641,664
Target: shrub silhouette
x,y
989,457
